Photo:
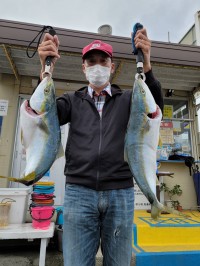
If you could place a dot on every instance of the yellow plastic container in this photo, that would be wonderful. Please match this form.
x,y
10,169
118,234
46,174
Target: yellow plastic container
x,y
45,183
4,213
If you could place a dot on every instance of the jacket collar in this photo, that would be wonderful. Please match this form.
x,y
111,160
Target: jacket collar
x,y
106,89
82,92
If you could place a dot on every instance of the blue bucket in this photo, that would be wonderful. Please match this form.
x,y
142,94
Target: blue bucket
x,y
59,219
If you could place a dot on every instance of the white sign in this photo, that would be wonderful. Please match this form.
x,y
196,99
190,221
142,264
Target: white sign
x,y
3,107
141,202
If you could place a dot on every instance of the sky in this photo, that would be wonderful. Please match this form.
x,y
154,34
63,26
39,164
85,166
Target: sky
x,y
159,17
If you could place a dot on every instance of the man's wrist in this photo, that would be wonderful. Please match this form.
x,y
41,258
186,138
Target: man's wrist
x,y
147,68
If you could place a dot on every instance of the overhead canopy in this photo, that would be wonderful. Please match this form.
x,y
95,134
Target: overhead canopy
x,y
176,66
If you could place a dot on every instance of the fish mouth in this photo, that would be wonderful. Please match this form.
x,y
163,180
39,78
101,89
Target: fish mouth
x,y
29,110
154,114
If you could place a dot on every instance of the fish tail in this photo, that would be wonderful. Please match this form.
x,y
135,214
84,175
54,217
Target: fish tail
x,y
156,210
27,180
176,212
9,178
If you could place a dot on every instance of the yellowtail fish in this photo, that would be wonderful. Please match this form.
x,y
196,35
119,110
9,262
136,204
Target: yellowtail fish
x,y
141,143
40,132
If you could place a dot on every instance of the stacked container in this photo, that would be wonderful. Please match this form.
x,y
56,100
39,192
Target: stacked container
x,y
41,208
43,194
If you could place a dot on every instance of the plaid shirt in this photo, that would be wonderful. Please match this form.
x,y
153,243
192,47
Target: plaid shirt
x,y
99,99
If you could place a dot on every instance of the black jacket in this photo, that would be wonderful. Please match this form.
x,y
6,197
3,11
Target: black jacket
x,y
95,147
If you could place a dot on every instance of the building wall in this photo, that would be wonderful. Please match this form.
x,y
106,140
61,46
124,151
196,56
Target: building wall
x,y
9,90
190,37
197,27
181,177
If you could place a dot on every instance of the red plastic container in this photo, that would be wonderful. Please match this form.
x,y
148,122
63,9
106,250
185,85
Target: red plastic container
x,y
41,216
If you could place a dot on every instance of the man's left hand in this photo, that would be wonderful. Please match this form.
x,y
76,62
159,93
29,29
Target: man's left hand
x,y
142,41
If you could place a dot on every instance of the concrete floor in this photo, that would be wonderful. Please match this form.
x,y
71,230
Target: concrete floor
x,y
27,254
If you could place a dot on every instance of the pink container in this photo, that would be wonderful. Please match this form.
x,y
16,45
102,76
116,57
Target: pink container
x,y
41,217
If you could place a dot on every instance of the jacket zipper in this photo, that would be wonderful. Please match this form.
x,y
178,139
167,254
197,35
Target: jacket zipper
x,y
99,152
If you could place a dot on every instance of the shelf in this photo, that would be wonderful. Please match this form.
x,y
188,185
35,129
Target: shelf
x,y
171,161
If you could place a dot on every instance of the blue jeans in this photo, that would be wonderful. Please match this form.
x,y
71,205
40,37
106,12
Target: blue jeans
x,y
91,215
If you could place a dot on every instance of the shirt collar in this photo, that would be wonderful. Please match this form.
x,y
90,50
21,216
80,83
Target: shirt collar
x,y
107,89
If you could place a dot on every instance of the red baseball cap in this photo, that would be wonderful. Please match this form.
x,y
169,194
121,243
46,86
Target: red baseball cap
x,y
98,45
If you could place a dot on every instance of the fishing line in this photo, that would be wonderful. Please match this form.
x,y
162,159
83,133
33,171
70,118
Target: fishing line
x,y
51,31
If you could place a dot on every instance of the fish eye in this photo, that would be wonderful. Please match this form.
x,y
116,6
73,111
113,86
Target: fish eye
x,y
46,90
142,91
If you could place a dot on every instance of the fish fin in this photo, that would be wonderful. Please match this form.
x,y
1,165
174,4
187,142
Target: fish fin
x,y
25,180
28,177
22,137
157,181
147,125
160,141
43,126
125,156
60,152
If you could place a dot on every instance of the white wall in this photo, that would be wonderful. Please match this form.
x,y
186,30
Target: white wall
x,y
181,177
9,90
197,27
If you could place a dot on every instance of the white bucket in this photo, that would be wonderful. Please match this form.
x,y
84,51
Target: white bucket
x,y
18,209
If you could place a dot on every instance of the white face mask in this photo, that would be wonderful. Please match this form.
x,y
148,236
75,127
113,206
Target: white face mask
x,y
97,75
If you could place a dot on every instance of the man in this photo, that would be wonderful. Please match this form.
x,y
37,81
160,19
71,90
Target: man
x,y
99,199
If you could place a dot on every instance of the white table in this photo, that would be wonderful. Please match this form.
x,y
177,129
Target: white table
x,y
26,231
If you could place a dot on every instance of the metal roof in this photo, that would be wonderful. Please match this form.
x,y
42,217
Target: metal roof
x,y
176,66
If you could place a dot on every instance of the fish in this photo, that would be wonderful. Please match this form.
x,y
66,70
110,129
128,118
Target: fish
x,y
141,142
40,132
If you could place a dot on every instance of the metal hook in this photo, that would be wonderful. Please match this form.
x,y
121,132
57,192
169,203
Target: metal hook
x,y
140,76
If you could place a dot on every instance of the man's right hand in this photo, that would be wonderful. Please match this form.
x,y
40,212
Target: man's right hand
x,y
48,47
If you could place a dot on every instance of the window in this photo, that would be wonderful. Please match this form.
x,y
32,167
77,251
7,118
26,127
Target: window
x,y
175,129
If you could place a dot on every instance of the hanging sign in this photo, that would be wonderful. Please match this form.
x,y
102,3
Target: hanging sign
x,y
166,132
140,202
3,107
168,111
